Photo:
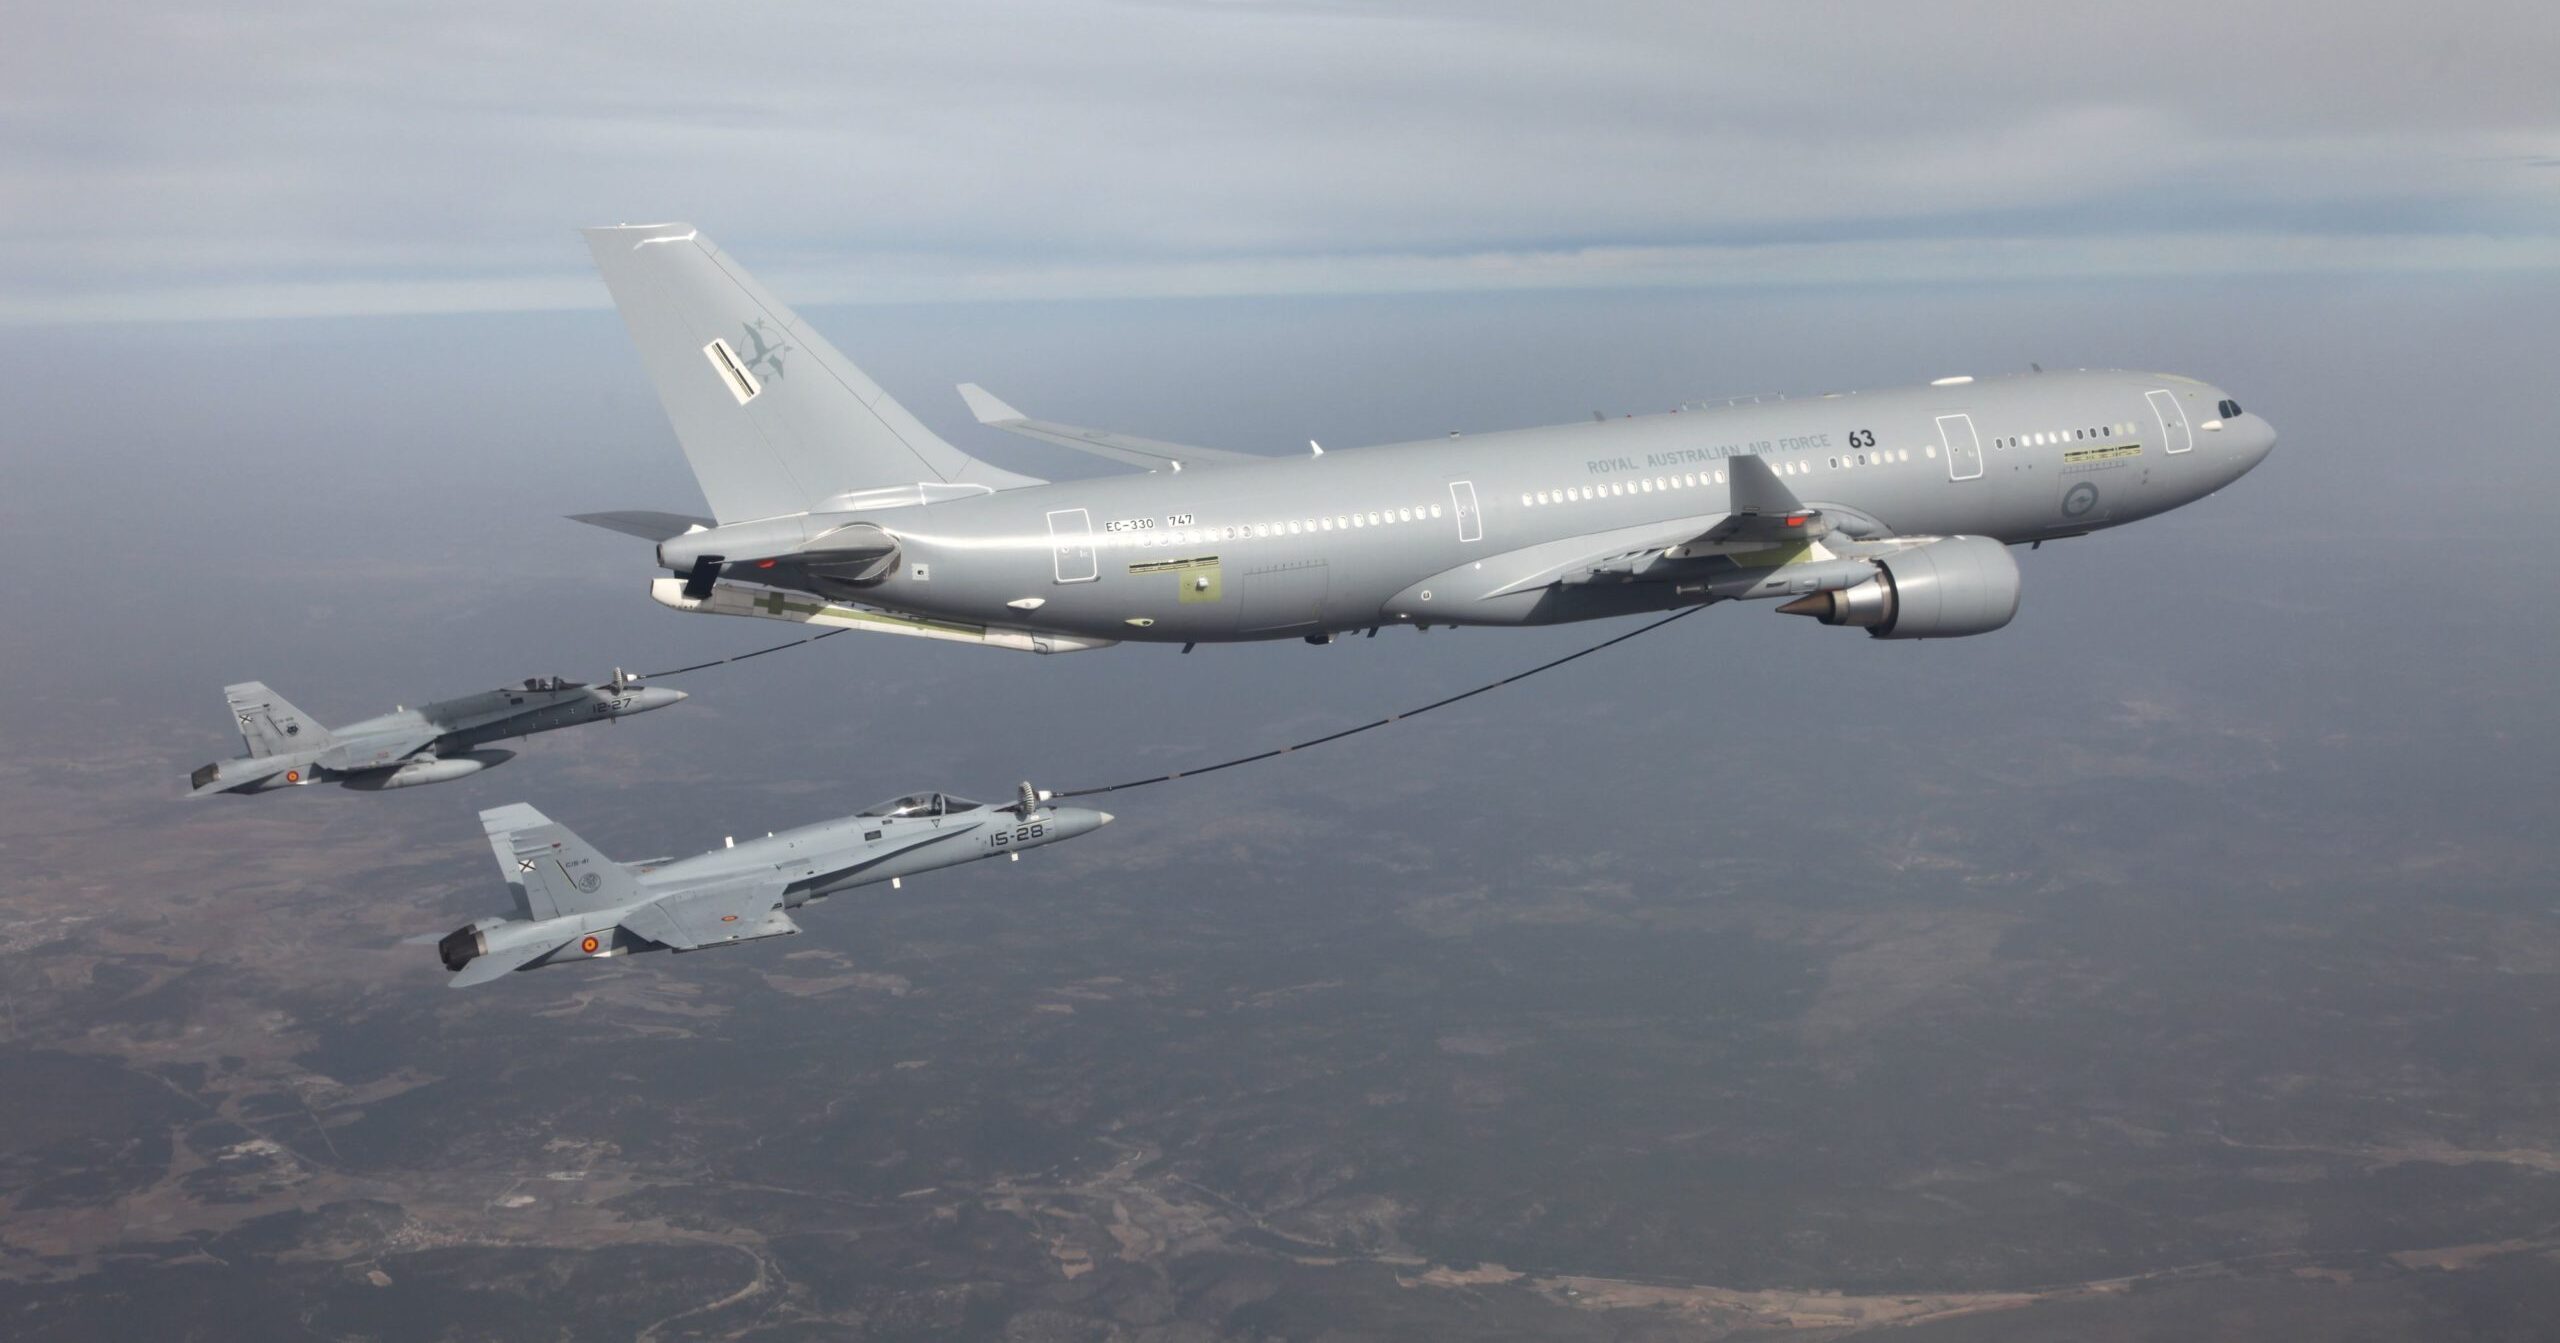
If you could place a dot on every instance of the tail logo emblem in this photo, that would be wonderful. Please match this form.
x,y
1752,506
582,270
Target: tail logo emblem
x,y
767,358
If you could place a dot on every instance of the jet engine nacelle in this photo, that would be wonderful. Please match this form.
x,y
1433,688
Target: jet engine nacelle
x,y
486,937
1943,590
431,769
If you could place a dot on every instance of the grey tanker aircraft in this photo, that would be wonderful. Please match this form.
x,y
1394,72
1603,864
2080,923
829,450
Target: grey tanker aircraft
x,y
574,904
447,739
1889,511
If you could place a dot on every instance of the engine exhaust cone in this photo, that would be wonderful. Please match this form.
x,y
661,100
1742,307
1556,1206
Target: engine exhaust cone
x,y
1819,605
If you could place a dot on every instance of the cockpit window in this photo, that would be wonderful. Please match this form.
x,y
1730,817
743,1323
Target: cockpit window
x,y
2229,409
922,804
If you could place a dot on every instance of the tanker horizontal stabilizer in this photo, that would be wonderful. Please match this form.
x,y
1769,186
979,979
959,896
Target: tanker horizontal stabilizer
x,y
1153,454
644,523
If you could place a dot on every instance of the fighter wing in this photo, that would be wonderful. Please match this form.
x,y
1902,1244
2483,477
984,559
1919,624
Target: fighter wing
x,y
712,917
1153,454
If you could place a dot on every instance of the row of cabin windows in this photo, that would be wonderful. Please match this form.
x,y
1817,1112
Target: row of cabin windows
x,y
1617,489
1339,522
1879,457
2099,434
1614,489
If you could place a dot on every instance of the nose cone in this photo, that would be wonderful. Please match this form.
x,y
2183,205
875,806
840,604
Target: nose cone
x,y
2266,434
652,697
2251,438
1073,821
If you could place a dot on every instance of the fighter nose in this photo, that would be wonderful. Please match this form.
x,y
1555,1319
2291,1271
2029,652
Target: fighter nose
x,y
1081,820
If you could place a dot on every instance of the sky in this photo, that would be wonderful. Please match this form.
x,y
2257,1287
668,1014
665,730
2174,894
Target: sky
x,y
193,161
306,365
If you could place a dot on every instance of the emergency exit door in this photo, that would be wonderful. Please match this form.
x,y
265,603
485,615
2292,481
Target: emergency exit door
x,y
1964,447
1462,498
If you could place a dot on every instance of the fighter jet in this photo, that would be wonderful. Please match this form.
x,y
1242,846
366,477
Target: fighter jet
x,y
1890,511
407,747
574,904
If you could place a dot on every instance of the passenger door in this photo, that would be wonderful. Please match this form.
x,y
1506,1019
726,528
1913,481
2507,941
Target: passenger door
x,y
1071,546
2173,421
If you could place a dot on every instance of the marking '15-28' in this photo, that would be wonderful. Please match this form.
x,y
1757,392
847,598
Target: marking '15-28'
x,y
1020,834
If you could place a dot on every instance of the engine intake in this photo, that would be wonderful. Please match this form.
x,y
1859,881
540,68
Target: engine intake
x,y
1944,590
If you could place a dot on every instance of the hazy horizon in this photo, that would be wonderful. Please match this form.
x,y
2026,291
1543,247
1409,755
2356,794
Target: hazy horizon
x,y
2178,961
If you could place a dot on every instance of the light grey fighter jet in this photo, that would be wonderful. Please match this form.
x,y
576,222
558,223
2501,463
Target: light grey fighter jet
x,y
574,904
428,744
1889,511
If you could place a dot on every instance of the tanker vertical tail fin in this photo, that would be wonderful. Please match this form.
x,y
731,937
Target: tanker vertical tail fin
x,y
773,419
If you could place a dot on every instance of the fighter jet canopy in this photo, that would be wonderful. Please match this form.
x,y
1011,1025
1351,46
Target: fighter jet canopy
x,y
922,804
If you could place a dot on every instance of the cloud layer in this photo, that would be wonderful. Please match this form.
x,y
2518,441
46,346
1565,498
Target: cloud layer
x,y
171,160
